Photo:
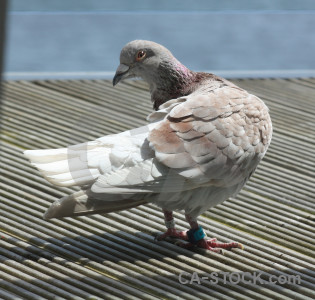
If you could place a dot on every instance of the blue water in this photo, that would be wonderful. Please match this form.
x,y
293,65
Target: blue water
x,y
160,5
51,39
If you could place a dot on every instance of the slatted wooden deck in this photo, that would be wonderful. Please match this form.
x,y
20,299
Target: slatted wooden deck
x,y
114,256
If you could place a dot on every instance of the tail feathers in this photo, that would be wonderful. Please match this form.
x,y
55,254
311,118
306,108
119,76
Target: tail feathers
x,y
46,155
76,165
52,155
79,204
80,177
68,172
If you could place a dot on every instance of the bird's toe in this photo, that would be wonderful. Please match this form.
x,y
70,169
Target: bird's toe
x,y
174,233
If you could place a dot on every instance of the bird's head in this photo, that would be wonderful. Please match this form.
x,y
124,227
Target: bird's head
x,y
141,58
166,76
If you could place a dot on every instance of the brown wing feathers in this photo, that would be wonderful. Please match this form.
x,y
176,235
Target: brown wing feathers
x,y
211,132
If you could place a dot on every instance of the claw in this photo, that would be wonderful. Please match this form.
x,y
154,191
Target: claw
x,y
241,246
212,245
172,232
190,246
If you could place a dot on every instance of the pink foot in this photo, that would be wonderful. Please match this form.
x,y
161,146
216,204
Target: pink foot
x,y
196,238
172,232
214,246
211,245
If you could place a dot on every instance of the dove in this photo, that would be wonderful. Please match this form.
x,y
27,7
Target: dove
x,y
203,141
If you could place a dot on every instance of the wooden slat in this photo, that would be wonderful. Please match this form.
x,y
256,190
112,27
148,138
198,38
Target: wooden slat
x,y
114,256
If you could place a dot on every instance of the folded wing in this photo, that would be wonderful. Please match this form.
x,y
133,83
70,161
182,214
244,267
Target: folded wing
x,y
215,138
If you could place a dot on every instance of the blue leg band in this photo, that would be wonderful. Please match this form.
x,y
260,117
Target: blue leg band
x,y
195,235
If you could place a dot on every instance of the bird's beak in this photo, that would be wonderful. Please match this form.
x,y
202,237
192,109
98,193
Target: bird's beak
x,y
121,72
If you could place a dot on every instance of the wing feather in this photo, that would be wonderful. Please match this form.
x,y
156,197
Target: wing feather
x,y
150,176
213,136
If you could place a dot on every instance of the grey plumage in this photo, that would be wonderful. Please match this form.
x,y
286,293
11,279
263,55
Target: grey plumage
x,y
204,141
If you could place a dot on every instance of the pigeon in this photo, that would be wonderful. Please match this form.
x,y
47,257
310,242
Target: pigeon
x,y
203,141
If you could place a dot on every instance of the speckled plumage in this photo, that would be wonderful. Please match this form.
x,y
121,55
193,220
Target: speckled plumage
x,y
204,141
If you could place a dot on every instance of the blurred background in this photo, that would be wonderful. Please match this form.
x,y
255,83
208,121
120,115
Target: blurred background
x,y
233,38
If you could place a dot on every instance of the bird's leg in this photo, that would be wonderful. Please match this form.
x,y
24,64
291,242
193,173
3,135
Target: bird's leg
x,y
196,236
170,225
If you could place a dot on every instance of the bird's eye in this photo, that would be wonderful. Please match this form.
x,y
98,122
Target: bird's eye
x,y
140,55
